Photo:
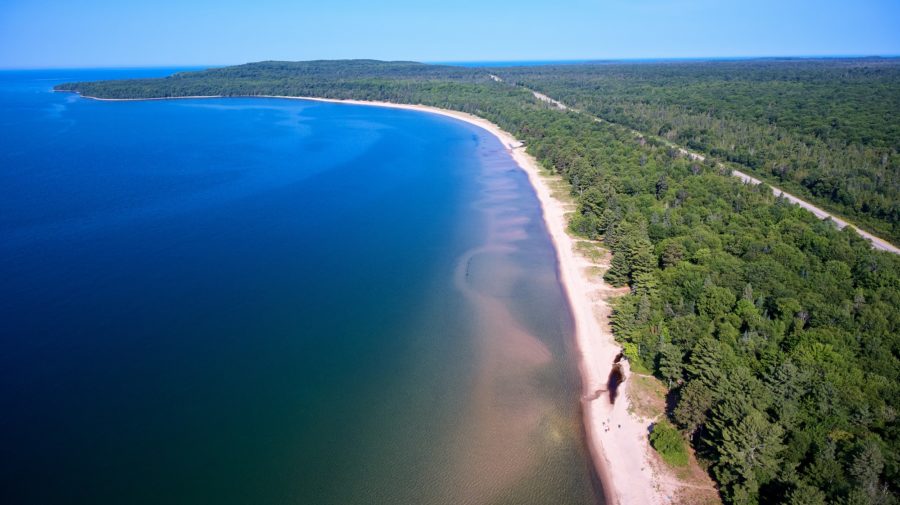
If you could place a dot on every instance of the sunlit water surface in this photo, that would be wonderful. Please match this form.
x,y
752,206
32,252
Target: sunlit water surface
x,y
274,301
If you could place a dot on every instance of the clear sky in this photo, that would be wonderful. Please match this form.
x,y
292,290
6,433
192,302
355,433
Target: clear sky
x,y
90,33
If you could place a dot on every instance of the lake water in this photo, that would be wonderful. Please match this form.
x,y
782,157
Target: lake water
x,y
274,301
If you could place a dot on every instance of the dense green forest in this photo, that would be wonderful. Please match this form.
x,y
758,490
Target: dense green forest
x,y
359,79
778,335
826,130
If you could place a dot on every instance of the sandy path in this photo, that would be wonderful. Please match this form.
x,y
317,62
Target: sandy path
x,y
546,99
877,243
621,455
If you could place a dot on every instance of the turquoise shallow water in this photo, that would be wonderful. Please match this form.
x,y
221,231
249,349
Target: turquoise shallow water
x,y
274,301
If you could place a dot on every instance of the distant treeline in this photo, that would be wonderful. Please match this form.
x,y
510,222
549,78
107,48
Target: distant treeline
x,y
827,130
778,335
360,79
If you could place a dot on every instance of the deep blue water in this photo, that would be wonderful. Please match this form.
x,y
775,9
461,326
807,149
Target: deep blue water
x,y
273,301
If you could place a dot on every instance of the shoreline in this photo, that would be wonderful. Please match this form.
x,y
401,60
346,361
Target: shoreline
x,y
876,242
617,440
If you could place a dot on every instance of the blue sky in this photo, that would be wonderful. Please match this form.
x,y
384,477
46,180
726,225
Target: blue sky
x,y
91,33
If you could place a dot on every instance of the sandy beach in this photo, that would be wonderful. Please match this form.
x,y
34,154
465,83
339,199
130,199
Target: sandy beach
x,y
617,439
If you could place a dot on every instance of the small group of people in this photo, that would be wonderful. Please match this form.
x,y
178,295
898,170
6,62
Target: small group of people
x,y
608,424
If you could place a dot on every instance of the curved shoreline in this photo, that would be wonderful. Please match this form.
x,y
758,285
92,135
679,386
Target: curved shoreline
x,y
613,434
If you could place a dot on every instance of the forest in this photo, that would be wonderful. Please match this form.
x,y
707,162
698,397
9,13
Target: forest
x,y
825,130
777,334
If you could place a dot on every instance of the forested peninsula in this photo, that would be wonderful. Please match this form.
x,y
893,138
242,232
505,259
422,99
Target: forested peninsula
x,y
777,334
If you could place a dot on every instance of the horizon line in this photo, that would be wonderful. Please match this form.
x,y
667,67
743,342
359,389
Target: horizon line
x,y
645,59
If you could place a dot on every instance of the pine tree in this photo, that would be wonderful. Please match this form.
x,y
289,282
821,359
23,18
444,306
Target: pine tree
x,y
619,272
670,363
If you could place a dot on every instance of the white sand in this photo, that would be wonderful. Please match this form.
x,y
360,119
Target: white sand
x,y
621,455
